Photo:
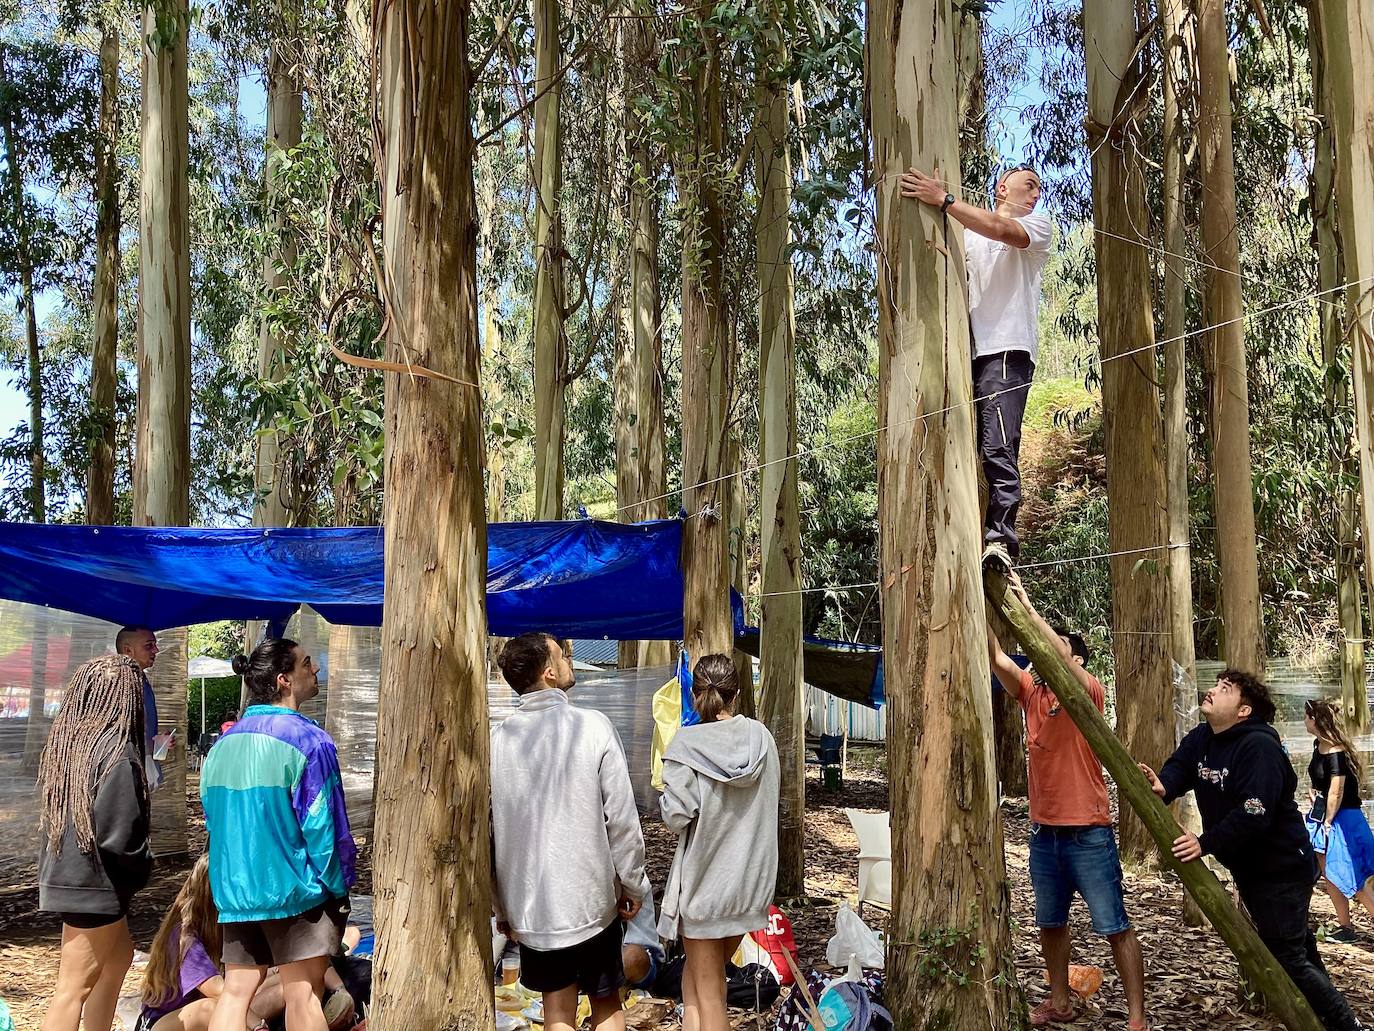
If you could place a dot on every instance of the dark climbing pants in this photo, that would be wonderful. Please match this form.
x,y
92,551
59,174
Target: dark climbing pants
x,y
1280,915
1001,383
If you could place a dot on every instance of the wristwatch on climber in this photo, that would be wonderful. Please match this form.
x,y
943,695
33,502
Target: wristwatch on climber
x,y
949,199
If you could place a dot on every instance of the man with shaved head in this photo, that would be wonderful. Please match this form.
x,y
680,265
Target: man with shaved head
x,y
140,644
1005,250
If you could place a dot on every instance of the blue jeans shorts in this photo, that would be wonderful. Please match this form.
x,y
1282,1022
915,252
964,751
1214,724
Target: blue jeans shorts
x,y
1082,859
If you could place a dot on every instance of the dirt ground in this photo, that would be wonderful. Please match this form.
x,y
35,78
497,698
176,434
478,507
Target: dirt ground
x,y
1192,979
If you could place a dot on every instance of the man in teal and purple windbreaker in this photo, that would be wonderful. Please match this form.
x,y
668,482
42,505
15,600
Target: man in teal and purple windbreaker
x,y
281,854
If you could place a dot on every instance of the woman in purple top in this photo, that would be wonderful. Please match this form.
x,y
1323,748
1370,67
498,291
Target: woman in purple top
x,y
185,971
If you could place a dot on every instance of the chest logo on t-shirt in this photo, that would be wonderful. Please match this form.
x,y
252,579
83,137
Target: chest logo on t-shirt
x,y
1254,807
1211,776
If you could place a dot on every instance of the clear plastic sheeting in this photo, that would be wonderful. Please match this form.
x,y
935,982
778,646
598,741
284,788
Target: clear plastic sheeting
x,y
40,648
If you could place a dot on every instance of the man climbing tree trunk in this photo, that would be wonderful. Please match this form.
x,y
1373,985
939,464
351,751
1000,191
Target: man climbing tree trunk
x,y
162,473
1130,401
1237,551
283,134
949,954
100,489
550,335
706,365
433,844
780,644
14,159
1347,35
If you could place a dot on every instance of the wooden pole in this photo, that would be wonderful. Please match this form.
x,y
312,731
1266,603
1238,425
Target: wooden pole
x,y
1282,996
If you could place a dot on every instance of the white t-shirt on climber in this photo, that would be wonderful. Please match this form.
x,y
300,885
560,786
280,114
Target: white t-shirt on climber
x,y
1004,288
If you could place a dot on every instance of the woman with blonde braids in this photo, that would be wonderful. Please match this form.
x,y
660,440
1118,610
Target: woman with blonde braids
x,y
1340,834
94,853
720,796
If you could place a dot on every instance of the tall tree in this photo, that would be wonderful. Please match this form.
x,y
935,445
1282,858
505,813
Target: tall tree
x,y
707,364
780,645
1130,399
550,284
162,473
949,955
284,113
433,847
1344,82
1234,500
100,489
14,159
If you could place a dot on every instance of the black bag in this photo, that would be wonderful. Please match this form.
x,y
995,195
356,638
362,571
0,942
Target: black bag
x,y
751,987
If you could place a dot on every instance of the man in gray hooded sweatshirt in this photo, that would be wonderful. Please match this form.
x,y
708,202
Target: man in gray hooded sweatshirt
x,y
569,851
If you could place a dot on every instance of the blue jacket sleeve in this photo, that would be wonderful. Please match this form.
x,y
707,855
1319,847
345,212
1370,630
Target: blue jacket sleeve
x,y
319,806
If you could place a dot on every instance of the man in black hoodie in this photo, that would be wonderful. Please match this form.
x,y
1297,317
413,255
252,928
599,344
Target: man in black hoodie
x,y
1236,765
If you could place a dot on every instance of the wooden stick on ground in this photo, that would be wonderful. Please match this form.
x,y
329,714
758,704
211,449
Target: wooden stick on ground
x,y
1283,997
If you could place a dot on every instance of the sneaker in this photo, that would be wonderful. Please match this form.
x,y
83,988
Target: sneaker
x,y
1046,1014
1342,934
996,554
339,1010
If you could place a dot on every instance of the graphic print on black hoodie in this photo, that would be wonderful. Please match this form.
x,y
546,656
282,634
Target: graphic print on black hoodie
x,y
1244,785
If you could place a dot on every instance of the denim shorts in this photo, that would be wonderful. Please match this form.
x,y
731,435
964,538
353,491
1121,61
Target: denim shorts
x,y
1082,859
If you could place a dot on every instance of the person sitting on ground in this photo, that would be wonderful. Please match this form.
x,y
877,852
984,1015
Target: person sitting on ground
x,y
93,823
1071,846
184,975
1005,251
569,853
642,953
1235,764
1336,825
720,796
140,644
273,781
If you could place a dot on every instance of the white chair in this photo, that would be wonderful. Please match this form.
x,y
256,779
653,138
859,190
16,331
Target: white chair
x,y
874,832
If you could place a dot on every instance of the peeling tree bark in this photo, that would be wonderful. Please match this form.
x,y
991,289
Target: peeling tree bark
x,y
432,846
707,367
100,490
550,284
780,644
1130,400
283,134
1347,32
1237,550
949,954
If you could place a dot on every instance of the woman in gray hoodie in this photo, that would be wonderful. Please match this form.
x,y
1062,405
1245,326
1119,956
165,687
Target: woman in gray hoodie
x,y
720,795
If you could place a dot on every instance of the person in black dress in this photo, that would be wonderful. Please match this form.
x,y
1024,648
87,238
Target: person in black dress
x,y
1340,834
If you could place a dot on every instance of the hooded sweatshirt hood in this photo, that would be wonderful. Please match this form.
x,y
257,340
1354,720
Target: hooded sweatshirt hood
x,y
727,751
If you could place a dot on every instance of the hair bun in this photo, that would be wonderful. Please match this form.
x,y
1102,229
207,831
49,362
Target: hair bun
x,y
240,664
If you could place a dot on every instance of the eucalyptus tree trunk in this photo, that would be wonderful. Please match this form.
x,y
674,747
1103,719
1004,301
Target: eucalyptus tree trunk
x,y
1130,400
270,480
1176,92
493,345
1347,38
645,305
162,475
100,490
780,644
550,286
950,962
432,849
707,368
1237,549
739,562
15,160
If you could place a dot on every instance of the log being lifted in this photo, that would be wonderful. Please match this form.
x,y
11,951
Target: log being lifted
x,y
1255,959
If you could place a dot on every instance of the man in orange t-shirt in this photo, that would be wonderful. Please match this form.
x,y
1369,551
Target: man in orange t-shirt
x,y
1071,846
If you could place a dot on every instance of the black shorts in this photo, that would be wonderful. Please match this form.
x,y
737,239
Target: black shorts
x,y
595,965
90,921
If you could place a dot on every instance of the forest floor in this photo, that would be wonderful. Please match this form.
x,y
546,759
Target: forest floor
x,y
1192,978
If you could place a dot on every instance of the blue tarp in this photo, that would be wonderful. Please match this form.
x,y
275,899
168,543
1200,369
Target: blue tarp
x,y
583,578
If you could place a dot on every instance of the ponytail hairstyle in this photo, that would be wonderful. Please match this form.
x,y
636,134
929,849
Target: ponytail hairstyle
x,y
715,686
193,916
100,718
1326,717
273,658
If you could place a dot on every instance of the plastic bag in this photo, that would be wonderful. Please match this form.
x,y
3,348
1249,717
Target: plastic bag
x,y
854,938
